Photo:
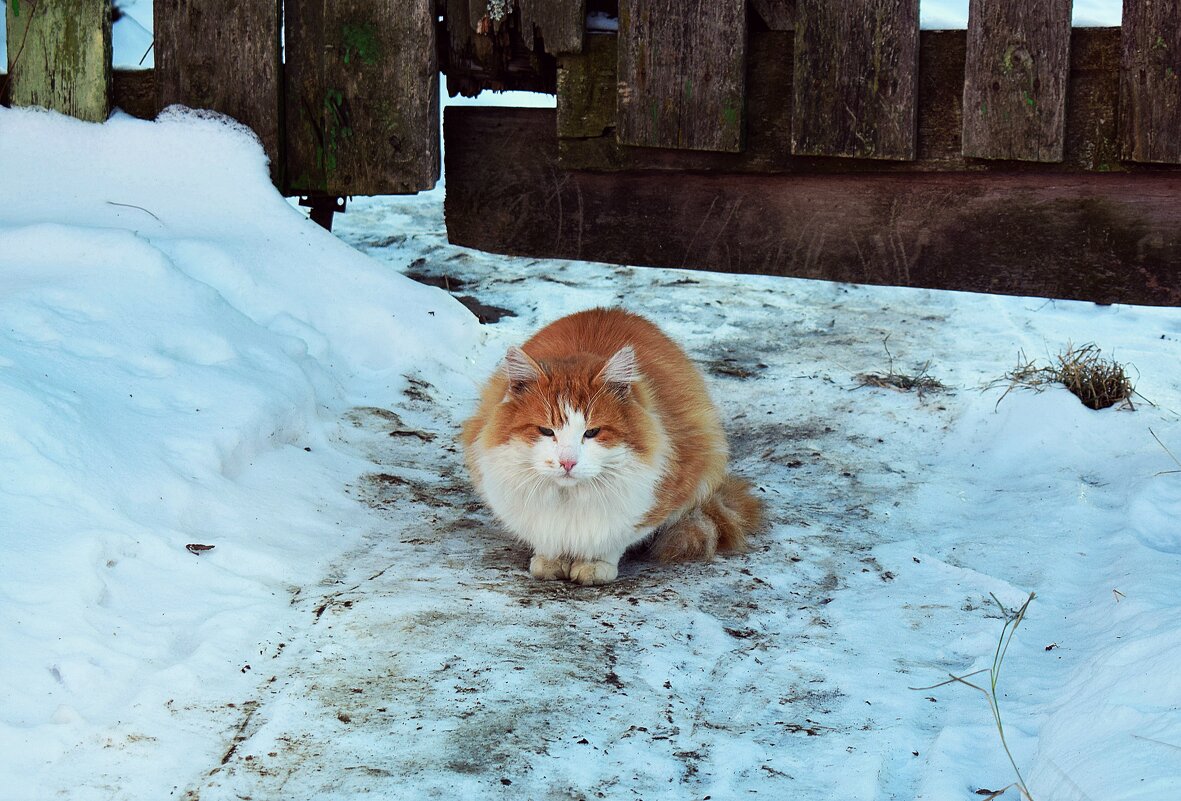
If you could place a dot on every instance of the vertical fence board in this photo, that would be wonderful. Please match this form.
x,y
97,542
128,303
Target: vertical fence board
x,y
362,97
1015,79
587,89
1092,100
682,73
560,23
1150,82
59,56
223,56
777,15
856,74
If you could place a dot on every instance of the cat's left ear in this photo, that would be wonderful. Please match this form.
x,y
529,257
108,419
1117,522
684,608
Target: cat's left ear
x,y
521,369
621,370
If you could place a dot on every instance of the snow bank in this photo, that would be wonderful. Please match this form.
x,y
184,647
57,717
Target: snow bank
x,y
177,344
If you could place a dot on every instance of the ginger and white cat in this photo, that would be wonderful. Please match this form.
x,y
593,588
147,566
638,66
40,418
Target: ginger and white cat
x,y
596,434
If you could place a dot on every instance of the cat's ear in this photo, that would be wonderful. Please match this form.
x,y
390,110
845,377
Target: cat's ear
x,y
621,370
520,369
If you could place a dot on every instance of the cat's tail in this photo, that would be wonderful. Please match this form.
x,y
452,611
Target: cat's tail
x,y
721,524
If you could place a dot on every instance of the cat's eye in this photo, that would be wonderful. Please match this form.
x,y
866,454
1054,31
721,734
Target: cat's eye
x,y
590,433
545,432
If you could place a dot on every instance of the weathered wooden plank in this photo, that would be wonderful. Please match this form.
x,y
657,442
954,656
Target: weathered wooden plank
x,y
777,15
59,56
362,97
856,73
1091,135
134,91
682,73
1015,79
223,56
1105,238
558,23
1092,100
587,89
1150,82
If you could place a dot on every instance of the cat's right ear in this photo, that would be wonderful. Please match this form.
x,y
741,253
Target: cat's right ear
x,y
520,369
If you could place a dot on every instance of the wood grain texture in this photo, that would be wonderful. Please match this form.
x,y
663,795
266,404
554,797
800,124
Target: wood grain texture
x,y
560,24
134,91
587,89
1015,79
1105,238
682,73
59,56
223,56
1091,136
362,97
1150,82
856,77
1092,102
777,15
480,55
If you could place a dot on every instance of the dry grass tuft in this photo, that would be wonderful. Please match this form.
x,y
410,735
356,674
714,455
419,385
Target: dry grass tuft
x,y
1096,381
919,382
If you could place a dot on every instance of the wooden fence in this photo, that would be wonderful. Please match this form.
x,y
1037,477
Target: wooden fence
x,y
811,138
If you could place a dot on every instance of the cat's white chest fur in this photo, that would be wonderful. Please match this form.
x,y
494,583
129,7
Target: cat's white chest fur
x,y
593,518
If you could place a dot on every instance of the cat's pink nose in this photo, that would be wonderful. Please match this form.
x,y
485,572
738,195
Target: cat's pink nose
x,y
568,464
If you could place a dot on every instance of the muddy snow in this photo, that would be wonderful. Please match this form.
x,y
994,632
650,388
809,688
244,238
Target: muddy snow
x,y
363,628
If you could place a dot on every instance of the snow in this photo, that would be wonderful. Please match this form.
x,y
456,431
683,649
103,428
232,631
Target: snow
x,y
166,357
185,359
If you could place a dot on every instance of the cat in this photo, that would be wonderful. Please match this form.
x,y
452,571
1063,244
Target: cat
x,y
598,434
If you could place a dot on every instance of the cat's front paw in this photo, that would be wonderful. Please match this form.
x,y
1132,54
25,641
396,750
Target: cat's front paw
x,y
594,571
546,569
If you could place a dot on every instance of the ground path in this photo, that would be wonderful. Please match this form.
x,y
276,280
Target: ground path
x,y
433,666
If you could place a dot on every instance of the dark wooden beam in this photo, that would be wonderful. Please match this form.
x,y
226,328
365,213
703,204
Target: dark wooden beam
x,y
1101,237
134,91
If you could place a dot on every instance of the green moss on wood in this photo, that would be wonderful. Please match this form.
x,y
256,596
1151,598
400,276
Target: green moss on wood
x,y
359,41
65,61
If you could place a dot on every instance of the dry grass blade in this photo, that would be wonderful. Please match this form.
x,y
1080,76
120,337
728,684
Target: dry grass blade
x,y
1096,381
1171,456
919,382
1012,621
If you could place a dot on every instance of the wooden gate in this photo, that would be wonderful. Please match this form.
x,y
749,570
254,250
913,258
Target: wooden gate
x,y
810,138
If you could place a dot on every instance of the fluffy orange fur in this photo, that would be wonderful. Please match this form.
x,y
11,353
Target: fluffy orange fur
x,y
656,407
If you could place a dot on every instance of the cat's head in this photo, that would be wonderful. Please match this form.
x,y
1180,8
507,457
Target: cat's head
x,y
572,420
